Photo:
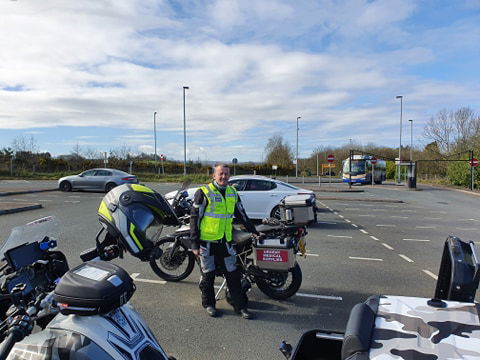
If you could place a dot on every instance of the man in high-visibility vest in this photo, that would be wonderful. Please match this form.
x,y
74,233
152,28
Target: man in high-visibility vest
x,y
214,207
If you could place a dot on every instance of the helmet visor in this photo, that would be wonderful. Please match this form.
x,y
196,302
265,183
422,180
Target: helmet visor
x,y
142,217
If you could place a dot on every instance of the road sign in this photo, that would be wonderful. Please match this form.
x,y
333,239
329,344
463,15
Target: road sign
x,y
234,160
162,157
373,160
330,158
274,167
473,162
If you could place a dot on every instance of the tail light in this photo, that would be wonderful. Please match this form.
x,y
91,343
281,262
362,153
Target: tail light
x,y
129,178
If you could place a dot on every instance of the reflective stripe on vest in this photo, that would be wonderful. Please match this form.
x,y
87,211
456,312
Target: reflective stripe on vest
x,y
216,222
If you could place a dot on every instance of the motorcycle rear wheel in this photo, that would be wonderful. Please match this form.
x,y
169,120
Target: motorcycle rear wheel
x,y
175,262
280,285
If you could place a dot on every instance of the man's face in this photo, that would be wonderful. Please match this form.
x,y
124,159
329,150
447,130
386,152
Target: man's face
x,y
221,175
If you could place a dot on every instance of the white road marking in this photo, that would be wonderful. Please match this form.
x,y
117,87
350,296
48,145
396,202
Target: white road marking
x,y
348,221
355,225
135,277
408,210
44,200
469,220
438,212
340,236
429,273
431,218
364,258
387,246
374,238
72,201
352,208
341,216
16,199
365,215
420,240
52,195
386,225
425,227
391,206
74,196
336,213
364,231
399,217
326,222
405,258
467,229
310,254
323,297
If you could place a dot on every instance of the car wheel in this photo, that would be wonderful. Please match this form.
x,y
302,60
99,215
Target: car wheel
x,y
65,186
109,187
275,213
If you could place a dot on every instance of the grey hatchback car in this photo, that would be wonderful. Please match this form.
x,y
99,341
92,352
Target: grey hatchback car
x,y
103,179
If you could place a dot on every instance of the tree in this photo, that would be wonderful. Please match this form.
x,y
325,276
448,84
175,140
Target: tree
x,y
454,131
278,152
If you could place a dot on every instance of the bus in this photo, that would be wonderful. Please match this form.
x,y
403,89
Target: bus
x,y
362,170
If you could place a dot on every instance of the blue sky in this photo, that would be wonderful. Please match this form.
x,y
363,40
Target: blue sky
x,y
92,73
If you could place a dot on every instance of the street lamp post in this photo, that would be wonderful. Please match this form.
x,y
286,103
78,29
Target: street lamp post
x,y
184,135
296,156
411,139
400,147
155,137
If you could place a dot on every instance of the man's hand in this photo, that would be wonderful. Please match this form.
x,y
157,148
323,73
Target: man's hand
x,y
258,236
196,252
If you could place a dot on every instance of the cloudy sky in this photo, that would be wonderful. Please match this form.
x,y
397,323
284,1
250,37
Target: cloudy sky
x,y
92,73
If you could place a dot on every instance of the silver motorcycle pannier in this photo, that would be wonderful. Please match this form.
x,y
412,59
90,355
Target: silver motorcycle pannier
x,y
274,254
297,209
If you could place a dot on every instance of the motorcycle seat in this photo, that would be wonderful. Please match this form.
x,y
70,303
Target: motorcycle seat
x,y
240,237
267,228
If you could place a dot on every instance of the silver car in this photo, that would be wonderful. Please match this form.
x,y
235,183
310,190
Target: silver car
x,y
96,179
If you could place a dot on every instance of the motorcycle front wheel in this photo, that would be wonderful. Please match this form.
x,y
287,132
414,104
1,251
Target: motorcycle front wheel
x,y
280,285
175,262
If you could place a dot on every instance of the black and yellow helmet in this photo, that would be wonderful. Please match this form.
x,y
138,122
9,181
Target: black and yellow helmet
x,y
134,214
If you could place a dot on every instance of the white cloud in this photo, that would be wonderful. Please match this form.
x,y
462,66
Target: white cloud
x,y
252,67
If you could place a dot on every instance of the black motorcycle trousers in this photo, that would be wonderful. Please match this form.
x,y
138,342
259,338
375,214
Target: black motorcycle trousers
x,y
220,252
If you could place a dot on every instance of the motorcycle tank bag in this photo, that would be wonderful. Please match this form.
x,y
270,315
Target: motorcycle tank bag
x,y
94,287
297,209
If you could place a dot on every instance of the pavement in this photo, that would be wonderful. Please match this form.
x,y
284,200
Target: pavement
x,y
10,207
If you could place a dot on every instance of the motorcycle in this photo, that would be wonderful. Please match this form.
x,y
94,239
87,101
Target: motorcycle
x,y
269,262
84,314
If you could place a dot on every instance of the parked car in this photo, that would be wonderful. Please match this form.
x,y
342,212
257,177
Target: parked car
x,y
260,195
96,179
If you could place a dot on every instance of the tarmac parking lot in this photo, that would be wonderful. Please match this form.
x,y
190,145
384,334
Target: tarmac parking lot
x,y
383,240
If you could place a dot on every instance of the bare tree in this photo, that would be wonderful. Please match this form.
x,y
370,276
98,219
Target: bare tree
x,y
122,152
25,144
440,128
92,154
278,152
454,130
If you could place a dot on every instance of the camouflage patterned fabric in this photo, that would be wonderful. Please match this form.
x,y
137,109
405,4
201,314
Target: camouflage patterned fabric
x,y
408,328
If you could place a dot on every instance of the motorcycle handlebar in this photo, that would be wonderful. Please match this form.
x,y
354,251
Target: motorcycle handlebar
x,y
7,345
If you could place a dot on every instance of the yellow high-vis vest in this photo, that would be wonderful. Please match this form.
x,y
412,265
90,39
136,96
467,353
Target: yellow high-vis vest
x,y
218,216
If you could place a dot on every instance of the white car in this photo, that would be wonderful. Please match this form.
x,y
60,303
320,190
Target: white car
x,y
260,195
